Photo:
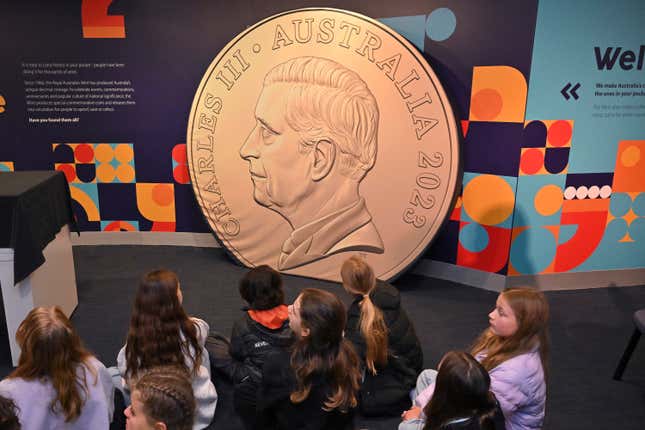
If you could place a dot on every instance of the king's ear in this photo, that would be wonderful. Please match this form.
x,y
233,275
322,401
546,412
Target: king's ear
x,y
324,158
160,426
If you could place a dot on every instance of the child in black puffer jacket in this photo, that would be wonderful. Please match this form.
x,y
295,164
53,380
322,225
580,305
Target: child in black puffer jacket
x,y
263,329
384,338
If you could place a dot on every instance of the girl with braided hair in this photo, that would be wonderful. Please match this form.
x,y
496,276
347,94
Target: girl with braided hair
x,y
162,334
384,338
162,399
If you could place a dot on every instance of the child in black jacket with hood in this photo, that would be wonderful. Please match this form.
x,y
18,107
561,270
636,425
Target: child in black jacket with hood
x,y
384,338
262,330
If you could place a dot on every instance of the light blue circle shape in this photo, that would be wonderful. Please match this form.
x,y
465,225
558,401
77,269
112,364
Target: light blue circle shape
x,y
639,205
473,237
533,250
441,24
619,204
615,230
637,230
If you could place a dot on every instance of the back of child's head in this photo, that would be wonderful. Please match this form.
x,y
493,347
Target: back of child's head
x,y
358,278
462,389
158,293
324,350
8,415
261,288
531,311
160,330
47,341
167,397
51,348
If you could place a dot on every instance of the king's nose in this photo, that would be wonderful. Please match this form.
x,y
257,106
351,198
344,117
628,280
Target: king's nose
x,y
250,146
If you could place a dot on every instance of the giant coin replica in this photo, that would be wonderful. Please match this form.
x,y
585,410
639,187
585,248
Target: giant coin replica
x,y
317,134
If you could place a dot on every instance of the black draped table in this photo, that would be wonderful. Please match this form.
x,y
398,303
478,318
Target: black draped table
x,y
36,261
33,208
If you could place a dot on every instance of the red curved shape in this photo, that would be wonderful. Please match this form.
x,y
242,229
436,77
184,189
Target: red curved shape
x,y
494,257
572,253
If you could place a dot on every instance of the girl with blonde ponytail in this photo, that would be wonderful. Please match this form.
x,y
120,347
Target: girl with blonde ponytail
x,y
358,278
384,337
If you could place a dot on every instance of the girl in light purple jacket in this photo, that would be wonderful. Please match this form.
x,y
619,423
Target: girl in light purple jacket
x,y
514,350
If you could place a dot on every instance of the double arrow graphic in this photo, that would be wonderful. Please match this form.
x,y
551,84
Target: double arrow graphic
x,y
573,93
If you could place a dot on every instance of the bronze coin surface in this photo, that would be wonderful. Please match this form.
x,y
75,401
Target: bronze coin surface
x,y
320,133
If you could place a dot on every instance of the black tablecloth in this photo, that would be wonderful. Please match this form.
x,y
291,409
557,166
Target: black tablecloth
x,y
33,208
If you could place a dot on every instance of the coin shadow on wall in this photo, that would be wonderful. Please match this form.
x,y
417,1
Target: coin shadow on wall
x,y
458,92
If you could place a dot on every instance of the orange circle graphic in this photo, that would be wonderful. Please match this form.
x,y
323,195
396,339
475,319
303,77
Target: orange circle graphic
x,y
487,104
162,194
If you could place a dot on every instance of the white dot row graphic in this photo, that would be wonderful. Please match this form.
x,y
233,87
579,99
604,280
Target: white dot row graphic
x,y
582,192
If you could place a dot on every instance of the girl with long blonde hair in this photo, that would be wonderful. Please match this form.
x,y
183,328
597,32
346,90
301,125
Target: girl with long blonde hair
x,y
384,338
514,349
58,383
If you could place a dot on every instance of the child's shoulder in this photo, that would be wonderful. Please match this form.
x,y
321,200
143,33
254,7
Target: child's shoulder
x,y
520,366
94,362
9,383
202,327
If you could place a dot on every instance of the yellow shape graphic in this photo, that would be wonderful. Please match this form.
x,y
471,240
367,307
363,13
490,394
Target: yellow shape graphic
x,y
630,156
498,94
86,202
548,200
124,153
156,202
630,165
103,153
3,103
630,216
6,166
125,173
488,199
105,173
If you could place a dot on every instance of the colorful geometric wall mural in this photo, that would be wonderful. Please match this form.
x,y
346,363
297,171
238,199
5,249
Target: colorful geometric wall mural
x,y
98,23
180,164
103,186
554,178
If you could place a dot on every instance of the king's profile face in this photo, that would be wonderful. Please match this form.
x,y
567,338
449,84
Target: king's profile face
x,y
279,163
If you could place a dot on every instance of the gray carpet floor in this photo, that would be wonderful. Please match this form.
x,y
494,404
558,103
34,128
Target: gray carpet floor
x,y
589,328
